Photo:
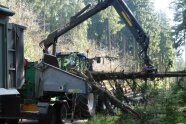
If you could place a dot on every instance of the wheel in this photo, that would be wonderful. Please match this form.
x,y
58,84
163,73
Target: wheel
x,y
86,105
49,118
101,107
62,113
104,105
12,121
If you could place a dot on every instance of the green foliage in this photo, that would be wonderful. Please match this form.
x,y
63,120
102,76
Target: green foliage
x,y
101,119
107,30
164,105
179,89
159,31
177,100
164,100
125,119
56,14
166,61
180,19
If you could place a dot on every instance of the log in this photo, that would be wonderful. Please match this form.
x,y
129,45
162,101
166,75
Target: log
x,y
114,100
99,76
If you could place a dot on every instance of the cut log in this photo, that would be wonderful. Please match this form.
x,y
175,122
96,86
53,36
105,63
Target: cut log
x,y
114,100
99,76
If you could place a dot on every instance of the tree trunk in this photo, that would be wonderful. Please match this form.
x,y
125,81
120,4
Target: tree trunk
x,y
98,76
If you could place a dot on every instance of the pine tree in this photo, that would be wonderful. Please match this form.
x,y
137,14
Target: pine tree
x,y
180,21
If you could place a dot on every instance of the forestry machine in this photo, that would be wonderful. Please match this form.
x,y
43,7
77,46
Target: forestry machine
x,y
61,84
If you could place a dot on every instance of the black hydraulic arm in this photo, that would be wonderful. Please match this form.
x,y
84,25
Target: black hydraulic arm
x,y
140,36
75,20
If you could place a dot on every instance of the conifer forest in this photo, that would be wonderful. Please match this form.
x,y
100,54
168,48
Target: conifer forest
x,y
133,89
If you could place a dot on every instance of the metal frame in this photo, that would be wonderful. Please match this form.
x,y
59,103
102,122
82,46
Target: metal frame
x,y
3,50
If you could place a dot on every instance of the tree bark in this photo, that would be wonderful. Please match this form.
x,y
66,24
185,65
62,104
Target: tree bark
x,y
98,76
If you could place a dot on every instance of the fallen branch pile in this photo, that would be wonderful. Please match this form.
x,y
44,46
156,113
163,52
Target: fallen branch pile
x,y
114,100
94,77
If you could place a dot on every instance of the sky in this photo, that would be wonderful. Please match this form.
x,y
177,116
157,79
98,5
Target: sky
x,y
164,5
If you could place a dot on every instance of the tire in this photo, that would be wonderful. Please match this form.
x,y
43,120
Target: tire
x,y
101,107
12,121
49,118
86,105
104,105
62,113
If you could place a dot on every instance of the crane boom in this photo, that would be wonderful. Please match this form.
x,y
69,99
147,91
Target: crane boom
x,y
122,9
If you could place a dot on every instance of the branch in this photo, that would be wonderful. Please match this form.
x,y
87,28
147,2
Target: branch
x,y
114,100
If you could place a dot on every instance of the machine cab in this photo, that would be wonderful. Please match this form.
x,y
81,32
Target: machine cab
x,y
72,60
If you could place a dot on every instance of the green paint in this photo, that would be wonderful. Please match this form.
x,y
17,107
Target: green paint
x,y
29,88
